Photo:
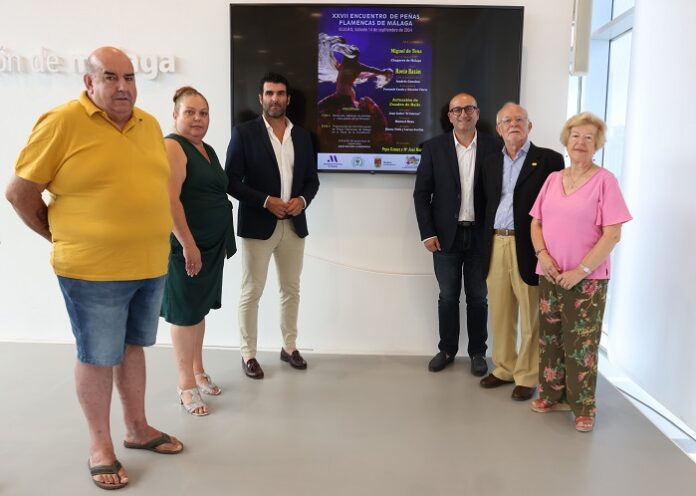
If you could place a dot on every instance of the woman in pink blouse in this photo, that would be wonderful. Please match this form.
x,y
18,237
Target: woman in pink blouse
x,y
576,223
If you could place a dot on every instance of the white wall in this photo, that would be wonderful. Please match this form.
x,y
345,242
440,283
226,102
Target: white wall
x,y
653,332
368,284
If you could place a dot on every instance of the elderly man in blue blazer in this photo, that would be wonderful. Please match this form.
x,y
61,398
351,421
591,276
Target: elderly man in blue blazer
x,y
272,171
449,216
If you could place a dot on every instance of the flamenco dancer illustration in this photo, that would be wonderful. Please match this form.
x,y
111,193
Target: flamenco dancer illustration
x,y
348,73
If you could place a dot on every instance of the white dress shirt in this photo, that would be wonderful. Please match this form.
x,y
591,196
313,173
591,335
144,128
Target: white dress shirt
x,y
285,156
466,158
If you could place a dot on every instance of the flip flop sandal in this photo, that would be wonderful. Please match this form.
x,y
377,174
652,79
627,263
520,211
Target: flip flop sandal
x,y
154,444
106,470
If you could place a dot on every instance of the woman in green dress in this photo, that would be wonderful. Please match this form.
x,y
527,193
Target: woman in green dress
x,y
203,236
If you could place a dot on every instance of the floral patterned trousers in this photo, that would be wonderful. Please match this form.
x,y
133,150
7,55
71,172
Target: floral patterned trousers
x,y
570,326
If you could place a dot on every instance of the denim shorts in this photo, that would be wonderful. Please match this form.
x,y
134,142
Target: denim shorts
x,y
106,316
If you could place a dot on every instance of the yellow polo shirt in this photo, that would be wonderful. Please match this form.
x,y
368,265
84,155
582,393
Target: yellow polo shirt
x,y
109,209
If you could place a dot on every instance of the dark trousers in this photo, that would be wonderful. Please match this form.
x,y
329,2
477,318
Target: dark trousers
x,y
462,261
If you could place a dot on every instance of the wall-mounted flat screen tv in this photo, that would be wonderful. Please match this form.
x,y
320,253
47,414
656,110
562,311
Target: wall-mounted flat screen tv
x,y
373,82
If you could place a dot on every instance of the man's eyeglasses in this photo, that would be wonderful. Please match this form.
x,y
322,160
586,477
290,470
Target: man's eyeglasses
x,y
468,110
506,121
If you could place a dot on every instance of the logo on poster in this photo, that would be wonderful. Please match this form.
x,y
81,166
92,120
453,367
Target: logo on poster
x,y
412,160
378,161
358,162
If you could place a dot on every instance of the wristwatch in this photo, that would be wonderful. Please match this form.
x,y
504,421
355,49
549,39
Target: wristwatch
x,y
585,269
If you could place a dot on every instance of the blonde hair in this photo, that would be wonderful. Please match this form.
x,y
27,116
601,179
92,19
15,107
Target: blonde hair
x,y
582,119
186,91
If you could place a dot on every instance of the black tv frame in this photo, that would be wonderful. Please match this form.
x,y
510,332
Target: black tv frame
x,y
485,85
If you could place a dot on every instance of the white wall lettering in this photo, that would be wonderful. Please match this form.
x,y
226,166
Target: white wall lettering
x,y
11,62
151,65
48,61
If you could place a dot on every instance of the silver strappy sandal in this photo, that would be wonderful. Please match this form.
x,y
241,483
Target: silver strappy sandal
x,y
207,388
196,401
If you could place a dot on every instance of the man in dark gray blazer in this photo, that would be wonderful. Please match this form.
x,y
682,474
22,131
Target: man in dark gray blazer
x,y
272,171
448,213
511,181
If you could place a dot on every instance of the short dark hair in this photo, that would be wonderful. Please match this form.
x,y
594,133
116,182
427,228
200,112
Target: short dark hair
x,y
273,77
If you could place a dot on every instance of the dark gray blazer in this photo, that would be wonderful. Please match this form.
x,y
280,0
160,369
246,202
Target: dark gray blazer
x,y
437,195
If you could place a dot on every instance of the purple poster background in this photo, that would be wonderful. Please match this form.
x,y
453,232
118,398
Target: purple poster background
x,y
374,78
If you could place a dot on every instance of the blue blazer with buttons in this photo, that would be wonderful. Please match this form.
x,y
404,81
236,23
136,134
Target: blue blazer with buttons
x,y
253,173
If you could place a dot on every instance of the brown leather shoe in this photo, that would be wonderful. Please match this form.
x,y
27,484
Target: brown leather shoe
x,y
522,393
491,381
252,368
294,359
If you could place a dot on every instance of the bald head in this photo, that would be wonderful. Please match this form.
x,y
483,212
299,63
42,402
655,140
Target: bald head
x,y
463,114
105,56
463,97
110,82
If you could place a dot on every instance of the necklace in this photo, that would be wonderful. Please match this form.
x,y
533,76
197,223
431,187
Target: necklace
x,y
573,180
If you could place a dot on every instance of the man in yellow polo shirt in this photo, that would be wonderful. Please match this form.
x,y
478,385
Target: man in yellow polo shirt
x,y
104,164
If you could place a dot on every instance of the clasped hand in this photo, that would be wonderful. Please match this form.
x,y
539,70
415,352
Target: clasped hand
x,y
553,274
281,209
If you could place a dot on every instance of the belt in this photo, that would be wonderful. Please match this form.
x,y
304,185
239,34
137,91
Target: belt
x,y
504,232
465,223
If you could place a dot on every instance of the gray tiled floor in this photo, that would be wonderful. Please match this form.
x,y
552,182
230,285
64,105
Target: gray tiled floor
x,y
349,425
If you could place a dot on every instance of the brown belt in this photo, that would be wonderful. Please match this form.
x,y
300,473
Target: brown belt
x,y
504,232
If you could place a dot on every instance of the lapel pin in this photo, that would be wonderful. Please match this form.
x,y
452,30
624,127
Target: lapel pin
x,y
534,164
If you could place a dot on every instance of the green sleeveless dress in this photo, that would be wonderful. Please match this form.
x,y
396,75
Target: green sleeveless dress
x,y
187,300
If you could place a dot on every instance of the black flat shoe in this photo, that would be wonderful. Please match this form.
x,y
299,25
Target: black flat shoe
x,y
440,361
